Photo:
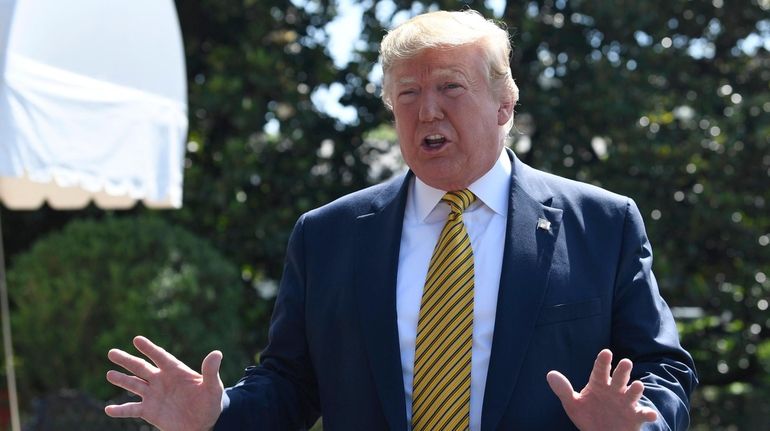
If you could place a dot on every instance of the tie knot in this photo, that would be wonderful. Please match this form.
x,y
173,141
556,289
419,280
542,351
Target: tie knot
x,y
459,200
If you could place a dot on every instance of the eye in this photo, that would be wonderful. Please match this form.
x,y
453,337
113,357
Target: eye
x,y
406,95
452,88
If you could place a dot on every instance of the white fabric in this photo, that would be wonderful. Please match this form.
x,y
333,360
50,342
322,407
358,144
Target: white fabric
x,y
6,14
485,219
83,132
91,105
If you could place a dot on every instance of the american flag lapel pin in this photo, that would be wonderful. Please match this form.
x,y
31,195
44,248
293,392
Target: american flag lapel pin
x,y
544,224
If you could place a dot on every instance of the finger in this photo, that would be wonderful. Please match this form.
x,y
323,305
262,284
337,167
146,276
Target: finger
x,y
561,386
130,383
133,364
621,375
158,355
635,391
648,414
210,368
127,410
600,374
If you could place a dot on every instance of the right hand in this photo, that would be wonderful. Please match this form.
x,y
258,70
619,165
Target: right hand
x,y
174,397
608,401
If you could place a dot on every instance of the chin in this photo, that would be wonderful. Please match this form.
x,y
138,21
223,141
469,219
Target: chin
x,y
444,174
445,183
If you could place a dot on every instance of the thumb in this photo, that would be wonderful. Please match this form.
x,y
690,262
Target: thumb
x,y
210,368
561,386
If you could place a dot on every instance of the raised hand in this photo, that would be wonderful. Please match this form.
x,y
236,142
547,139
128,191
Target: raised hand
x,y
174,397
607,402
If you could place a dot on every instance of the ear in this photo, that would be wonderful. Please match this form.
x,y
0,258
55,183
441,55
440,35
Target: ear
x,y
504,112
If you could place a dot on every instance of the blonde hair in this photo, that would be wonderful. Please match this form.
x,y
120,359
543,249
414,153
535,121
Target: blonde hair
x,y
444,29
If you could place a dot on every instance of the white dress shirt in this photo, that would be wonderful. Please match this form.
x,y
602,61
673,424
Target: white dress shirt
x,y
424,217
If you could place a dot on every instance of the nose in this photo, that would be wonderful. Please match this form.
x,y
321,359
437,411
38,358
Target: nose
x,y
430,108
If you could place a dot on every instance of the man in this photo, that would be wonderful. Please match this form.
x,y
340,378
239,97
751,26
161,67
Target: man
x,y
403,306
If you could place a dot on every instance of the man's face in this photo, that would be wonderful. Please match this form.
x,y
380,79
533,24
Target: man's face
x,y
449,124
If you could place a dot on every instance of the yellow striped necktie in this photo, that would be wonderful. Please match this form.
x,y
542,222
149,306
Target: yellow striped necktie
x,y
442,361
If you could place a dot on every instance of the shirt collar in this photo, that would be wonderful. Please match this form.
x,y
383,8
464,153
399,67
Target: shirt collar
x,y
492,189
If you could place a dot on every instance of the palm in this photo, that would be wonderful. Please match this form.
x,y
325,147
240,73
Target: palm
x,y
174,402
607,402
174,397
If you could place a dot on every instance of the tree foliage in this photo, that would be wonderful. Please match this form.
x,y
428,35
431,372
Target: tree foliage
x,y
250,64
95,284
666,102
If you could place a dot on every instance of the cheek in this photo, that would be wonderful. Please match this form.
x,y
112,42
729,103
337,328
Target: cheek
x,y
404,128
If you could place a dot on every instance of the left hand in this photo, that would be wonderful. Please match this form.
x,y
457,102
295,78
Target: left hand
x,y
174,397
607,402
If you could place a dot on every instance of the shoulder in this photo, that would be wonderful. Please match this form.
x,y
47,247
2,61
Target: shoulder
x,y
363,201
572,196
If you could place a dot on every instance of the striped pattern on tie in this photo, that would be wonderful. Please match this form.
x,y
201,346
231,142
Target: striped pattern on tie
x,y
442,362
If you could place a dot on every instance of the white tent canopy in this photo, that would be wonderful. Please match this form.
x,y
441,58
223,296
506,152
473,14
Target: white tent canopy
x,y
92,103
92,107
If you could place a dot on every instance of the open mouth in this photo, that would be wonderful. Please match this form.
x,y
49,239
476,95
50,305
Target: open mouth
x,y
433,142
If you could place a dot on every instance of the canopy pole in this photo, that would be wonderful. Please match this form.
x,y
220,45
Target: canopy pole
x,y
10,372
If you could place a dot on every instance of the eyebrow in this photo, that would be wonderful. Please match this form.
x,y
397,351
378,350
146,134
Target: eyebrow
x,y
445,72
452,72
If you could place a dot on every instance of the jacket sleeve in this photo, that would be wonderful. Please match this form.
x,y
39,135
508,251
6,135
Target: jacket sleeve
x,y
643,330
281,392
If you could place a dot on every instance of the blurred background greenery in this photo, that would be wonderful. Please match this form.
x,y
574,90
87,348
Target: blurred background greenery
x,y
666,101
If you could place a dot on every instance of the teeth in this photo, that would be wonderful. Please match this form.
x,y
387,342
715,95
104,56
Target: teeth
x,y
435,140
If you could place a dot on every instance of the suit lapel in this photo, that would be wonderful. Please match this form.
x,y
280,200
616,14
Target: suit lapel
x,y
378,239
526,265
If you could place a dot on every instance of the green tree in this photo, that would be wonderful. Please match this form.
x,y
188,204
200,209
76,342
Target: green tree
x,y
95,284
665,102
251,63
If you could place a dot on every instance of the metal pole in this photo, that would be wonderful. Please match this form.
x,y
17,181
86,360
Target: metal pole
x,y
10,372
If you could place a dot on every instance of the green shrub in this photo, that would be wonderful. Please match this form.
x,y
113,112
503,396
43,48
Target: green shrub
x,y
96,284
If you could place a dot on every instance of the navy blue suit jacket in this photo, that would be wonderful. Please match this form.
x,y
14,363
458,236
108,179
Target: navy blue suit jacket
x,y
565,294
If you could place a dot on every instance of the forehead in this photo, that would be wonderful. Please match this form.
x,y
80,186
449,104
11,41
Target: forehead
x,y
460,62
